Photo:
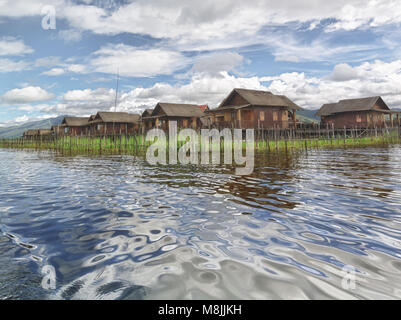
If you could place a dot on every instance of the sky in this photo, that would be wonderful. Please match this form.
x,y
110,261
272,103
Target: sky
x,y
62,57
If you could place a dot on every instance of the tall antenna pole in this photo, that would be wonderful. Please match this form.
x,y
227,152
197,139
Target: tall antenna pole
x,y
115,103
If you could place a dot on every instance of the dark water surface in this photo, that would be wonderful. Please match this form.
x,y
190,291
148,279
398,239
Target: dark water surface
x,y
114,227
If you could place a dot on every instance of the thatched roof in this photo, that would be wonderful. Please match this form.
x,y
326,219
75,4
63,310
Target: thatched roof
x,y
119,117
326,109
261,98
147,113
178,110
352,105
75,121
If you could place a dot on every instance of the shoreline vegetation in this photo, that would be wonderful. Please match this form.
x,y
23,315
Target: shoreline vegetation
x,y
273,140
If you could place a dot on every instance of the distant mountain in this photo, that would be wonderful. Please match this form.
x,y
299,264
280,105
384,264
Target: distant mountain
x,y
18,130
307,116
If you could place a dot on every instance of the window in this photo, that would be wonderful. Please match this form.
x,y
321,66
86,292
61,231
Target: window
x,y
262,116
66,130
275,115
358,118
99,127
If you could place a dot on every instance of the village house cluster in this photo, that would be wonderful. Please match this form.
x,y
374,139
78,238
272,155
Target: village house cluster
x,y
241,109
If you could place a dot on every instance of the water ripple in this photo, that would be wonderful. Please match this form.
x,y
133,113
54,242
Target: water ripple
x,y
115,227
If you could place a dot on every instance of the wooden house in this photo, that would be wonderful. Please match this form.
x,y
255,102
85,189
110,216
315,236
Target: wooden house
x,y
74,126
45,132
37,133
244,108
146,120
357,113
204,107
186,115
57,130
31,134
147,113
110,123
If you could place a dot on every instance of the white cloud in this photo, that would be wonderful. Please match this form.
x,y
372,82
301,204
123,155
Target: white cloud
x,y
26,95
54,72
10,46
74,68
371,79
377,78
213,25
286,47
74,108
215,63
101,94
7,65
202,89
49,61
70,35
134,62
373,13
208,20
21,119
26,118
344,72
23,8
77,68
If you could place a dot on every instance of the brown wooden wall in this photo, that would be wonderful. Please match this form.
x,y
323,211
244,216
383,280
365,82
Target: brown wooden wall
x,y
273,117
361,119
182,122
113,128
73,131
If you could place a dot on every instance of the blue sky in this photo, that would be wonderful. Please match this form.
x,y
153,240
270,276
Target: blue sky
x,y
314,52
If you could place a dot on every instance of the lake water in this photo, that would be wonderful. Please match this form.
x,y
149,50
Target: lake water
x,y
114,227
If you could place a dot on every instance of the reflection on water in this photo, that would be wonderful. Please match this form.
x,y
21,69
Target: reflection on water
x,y
115,227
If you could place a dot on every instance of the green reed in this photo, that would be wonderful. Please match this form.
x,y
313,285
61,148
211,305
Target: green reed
x,y
137,144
